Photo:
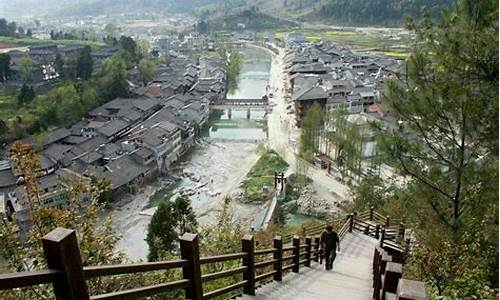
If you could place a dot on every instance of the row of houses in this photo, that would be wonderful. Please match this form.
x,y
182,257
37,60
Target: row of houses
x,y
193,41
128,141
337,79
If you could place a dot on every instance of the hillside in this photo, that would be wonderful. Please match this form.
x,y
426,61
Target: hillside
x,y
338,12
251,19
375,12
133,6
57,8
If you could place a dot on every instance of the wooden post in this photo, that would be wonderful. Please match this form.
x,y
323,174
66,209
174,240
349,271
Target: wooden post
x,y
393,272
371,213
278,255
401,232
367,229
376,264
377,231
316,248
296,254
406,250
351,222
411,290
308,251
248,246
382,237
387,221
384,260
62,253
190,251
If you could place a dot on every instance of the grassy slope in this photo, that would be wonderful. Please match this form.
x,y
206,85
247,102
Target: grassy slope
x,y
262,174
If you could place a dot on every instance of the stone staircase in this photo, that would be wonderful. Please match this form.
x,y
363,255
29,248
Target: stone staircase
x,y
350,279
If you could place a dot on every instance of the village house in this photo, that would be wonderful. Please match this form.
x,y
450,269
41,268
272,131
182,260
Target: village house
x,y
100,55
129,141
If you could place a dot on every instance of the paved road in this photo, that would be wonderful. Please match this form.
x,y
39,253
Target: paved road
x,y
350,279
283,136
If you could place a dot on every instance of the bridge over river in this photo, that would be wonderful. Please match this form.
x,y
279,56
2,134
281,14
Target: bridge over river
x,y
261,104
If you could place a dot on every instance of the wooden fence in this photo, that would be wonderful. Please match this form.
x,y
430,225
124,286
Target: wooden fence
x,y
68,276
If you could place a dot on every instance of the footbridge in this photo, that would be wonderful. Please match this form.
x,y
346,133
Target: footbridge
x,y
261,104
241,103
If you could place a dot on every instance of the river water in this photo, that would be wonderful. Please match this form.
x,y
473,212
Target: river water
x,y
216,167
251,83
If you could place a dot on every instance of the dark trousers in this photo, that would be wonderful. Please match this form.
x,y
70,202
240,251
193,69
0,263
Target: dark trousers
x,y
330,255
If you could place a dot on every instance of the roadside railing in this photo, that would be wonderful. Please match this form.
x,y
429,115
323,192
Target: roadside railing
x,y
69,277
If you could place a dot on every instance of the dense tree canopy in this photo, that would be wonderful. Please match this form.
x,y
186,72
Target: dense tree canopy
x,y
84,64
147,69
113,78
8,28
370,12
448,152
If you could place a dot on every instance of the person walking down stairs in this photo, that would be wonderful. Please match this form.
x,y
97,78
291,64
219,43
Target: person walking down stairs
x,y
330,242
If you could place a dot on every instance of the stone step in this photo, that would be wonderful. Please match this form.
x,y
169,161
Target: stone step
x,y
351,277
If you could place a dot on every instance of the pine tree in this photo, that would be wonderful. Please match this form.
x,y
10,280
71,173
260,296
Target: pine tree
x,y
448,148
161,234
183,214
311,126
26,95
84,64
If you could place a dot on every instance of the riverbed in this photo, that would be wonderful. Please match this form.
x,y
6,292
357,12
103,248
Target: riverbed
x,y
217,165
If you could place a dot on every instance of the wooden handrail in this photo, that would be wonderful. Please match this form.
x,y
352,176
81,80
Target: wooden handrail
x,y
144,291
23,279
63,265
288,267
108,270
224,290
223,274
265,275
265,263
288,257
265,251
221,258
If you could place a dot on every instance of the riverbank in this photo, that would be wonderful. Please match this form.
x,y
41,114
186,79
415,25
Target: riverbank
x,y
219,168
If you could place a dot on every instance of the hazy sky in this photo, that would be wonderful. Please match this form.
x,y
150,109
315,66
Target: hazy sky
x,y
14,9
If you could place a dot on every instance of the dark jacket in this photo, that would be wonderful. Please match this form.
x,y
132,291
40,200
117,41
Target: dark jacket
x,y
329,239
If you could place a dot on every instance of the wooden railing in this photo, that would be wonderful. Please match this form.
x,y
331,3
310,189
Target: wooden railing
x,y
388,283
68,276
369,222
